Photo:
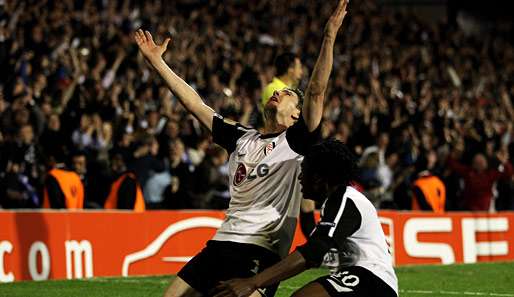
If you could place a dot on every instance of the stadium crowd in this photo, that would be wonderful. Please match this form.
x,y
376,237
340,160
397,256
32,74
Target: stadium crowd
x,y
411,98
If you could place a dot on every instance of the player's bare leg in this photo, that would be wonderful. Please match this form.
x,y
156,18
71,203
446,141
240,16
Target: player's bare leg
x,y
311,290
179,288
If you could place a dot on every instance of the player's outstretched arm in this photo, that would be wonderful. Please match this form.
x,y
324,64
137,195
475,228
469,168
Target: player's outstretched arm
x,y
315,93
187,95
289,267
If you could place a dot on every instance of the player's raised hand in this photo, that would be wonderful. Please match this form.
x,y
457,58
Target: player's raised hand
x,y
147,46
336,19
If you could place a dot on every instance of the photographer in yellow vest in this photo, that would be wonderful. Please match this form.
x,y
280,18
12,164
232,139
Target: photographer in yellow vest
x,y
126,192
428,190
63,188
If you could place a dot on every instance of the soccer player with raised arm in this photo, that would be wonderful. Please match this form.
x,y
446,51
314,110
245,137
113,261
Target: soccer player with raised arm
x,y
349,231
265,194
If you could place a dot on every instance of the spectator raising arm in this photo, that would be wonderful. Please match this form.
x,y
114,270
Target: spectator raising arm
x,y
187,96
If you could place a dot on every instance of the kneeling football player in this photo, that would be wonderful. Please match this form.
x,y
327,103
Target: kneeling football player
x,y
349,233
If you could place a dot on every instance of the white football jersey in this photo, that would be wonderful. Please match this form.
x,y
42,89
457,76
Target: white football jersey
x,y
264,186
351,220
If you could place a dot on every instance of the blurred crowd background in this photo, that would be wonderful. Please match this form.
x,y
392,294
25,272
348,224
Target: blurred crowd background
x,y
412,96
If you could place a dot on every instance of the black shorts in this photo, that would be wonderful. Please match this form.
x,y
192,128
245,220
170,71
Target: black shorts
x,y
224,260
355,281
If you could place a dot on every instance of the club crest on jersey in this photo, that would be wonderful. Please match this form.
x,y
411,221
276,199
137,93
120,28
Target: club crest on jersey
x,y
240,175
269,147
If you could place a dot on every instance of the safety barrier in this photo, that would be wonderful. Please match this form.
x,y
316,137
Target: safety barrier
x,y
40,245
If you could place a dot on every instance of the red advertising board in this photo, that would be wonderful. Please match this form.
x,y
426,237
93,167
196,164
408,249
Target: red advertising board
x,y
66,245
425,238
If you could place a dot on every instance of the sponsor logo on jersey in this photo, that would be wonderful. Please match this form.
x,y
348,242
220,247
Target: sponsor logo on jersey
x,y
240,175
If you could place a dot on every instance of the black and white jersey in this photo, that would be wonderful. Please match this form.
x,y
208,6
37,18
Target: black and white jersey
x,y
349,224
264,186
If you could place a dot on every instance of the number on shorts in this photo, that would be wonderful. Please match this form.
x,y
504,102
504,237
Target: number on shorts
x,y
346,279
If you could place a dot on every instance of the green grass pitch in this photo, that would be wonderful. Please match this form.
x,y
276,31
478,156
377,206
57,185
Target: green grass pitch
x,y
485,279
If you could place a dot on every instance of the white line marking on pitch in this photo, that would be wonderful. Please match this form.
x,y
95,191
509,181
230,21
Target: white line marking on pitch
x,y
422,292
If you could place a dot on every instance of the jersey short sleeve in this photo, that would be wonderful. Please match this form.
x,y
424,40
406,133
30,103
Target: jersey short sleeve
x,y
341,218
226,132
299,137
